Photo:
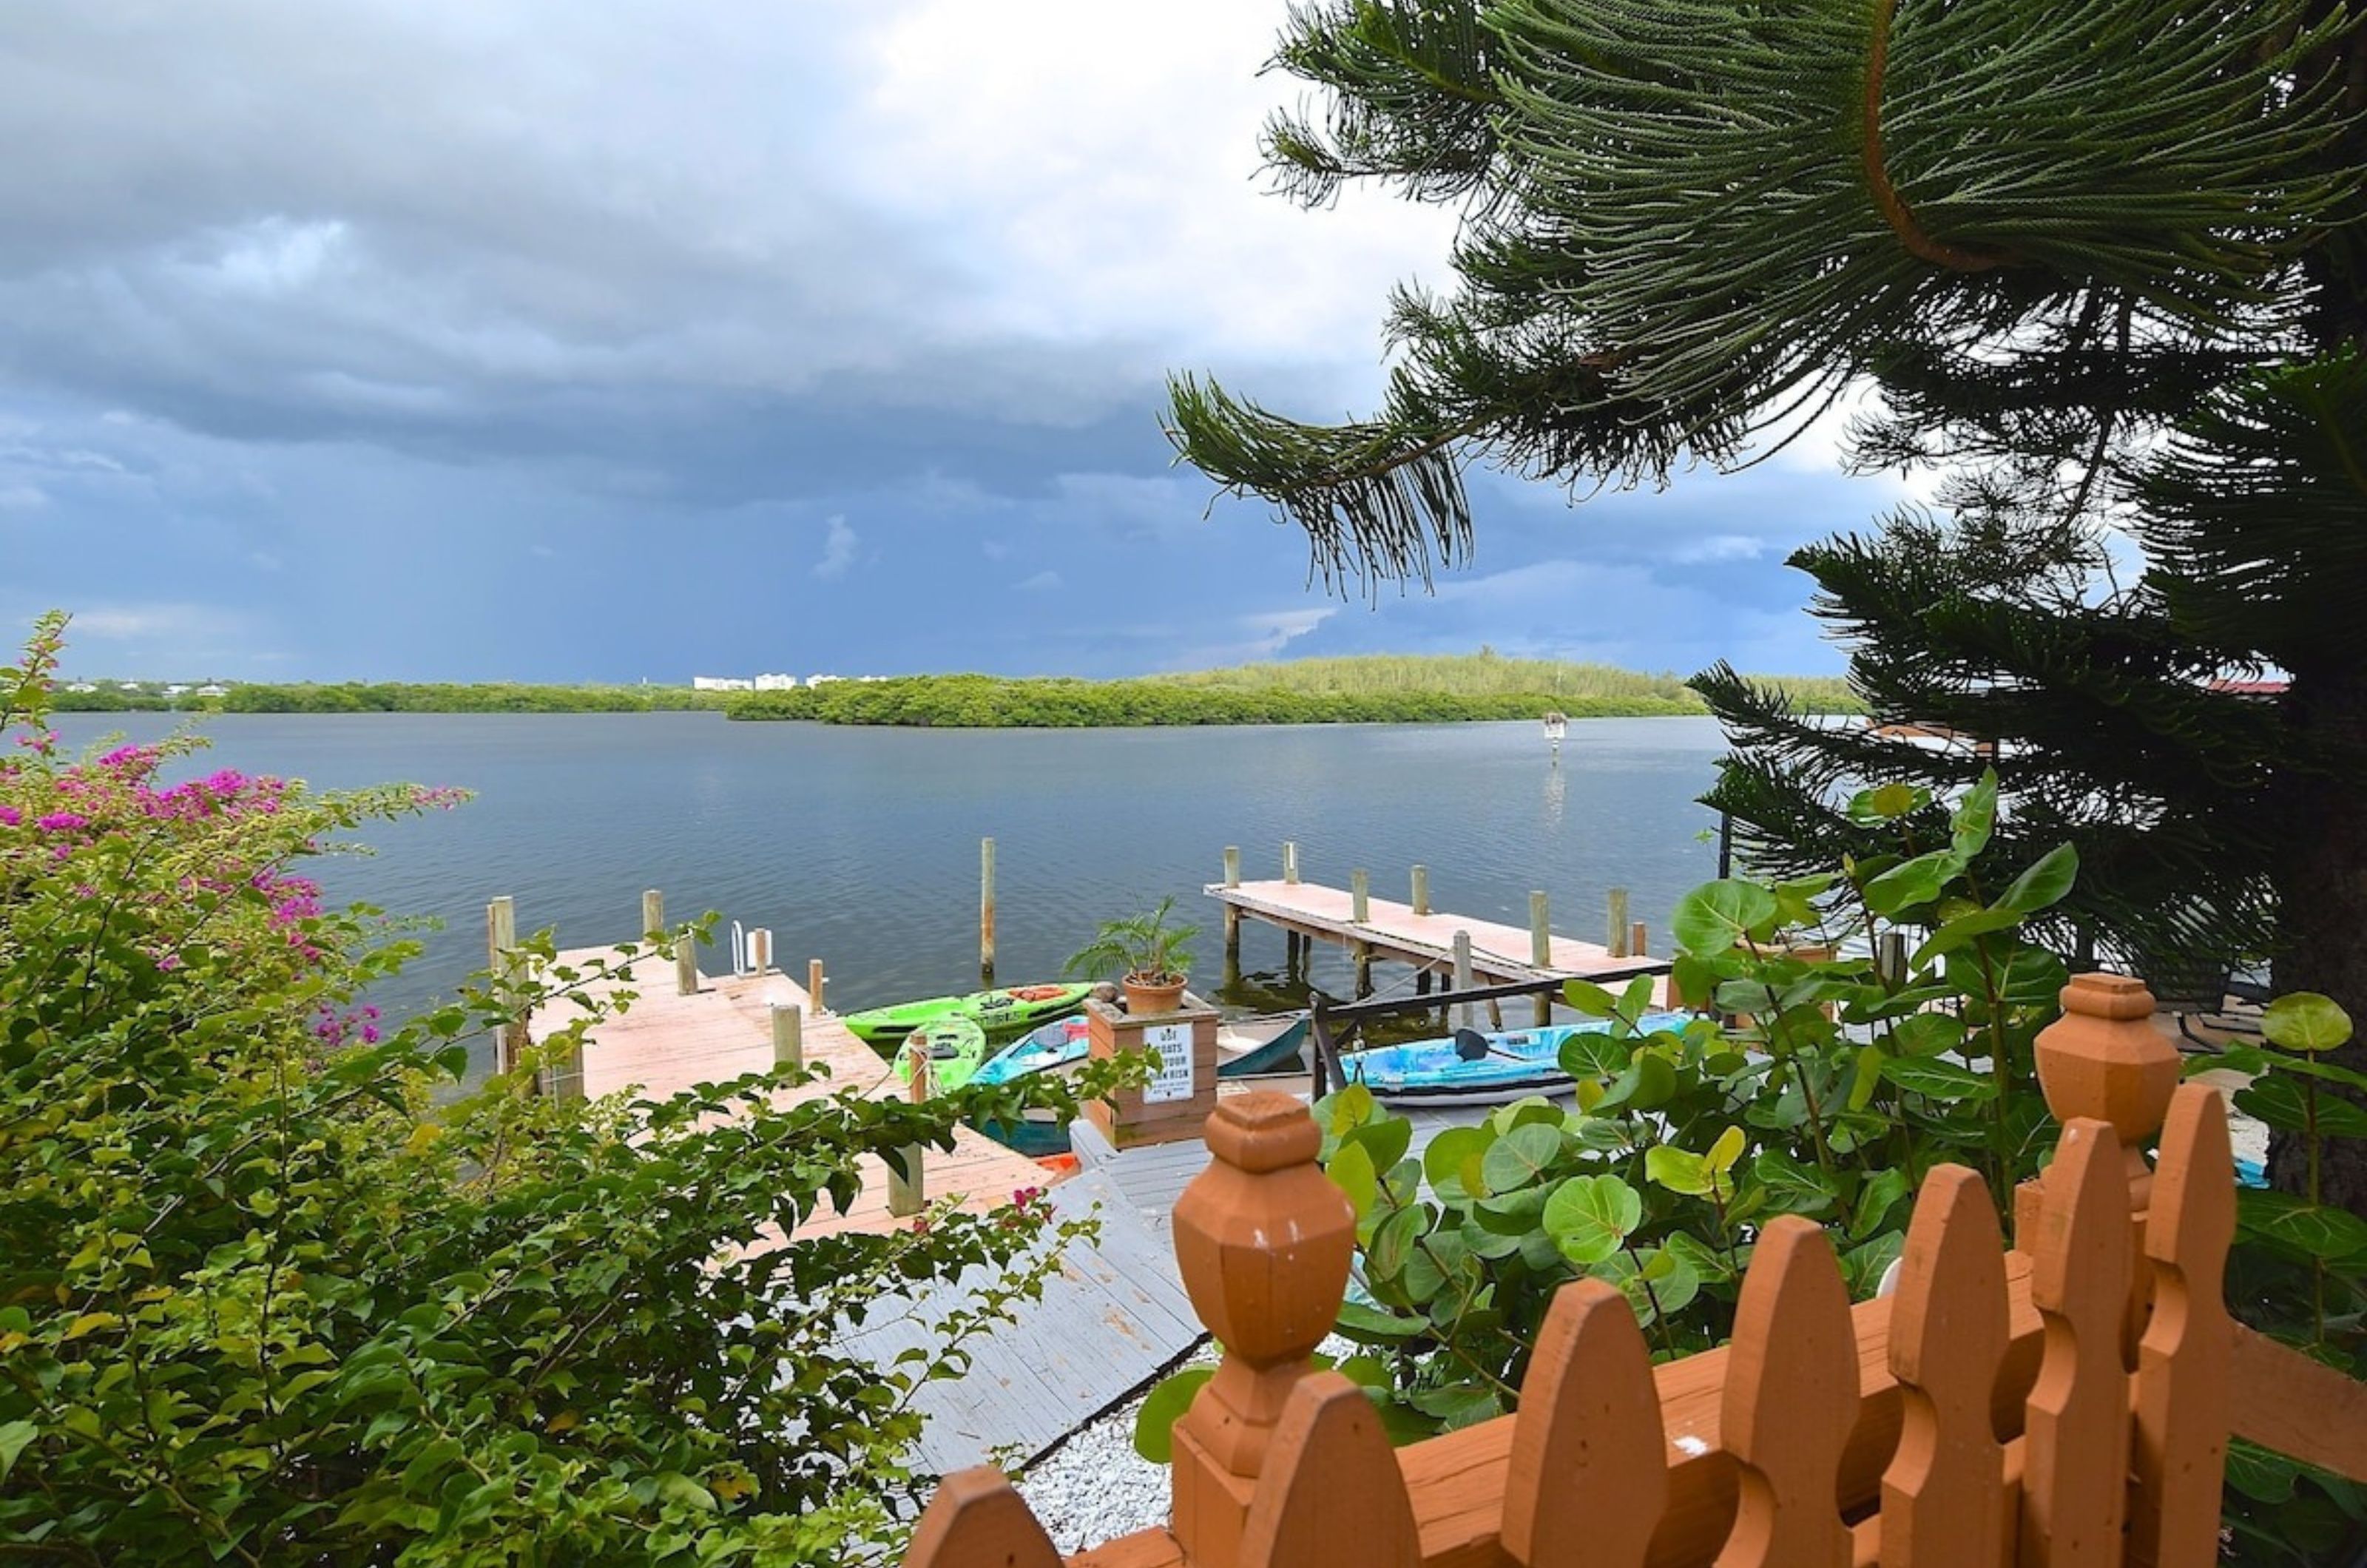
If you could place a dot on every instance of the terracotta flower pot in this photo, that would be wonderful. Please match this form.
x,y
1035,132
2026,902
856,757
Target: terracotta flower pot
x,y
1148,994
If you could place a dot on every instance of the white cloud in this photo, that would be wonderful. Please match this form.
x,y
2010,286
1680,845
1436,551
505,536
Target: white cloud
x,y
1041,582
837,550
1721,548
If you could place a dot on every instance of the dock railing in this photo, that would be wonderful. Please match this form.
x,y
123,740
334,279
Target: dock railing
x,y
2065,1403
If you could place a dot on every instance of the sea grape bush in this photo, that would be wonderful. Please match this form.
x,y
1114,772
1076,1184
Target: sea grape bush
x,y
279,1285
2298,1272
1821,1082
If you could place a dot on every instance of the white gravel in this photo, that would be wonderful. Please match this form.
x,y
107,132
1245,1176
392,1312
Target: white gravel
x,y
1094,1487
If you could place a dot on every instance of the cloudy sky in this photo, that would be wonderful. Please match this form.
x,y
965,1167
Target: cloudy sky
x,y
486,339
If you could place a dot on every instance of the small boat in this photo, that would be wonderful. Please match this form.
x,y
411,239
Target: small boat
x,y
1014,1007
1052,1047
1471,1068
1253,1047
1245,1048
956,1047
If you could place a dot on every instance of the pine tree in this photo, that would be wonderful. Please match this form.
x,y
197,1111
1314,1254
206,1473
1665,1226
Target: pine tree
x,y
2103,262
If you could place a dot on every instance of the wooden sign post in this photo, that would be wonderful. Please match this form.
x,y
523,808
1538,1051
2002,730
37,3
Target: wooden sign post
x,y
1173,1106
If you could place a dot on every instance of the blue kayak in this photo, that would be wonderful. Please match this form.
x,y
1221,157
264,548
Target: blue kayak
x,y
1518,1062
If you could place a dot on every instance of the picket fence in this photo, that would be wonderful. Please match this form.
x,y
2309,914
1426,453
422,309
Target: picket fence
x,y
2067,1404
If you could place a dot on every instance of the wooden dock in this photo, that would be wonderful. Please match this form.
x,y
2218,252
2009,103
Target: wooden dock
x,y
1396,931
669,1041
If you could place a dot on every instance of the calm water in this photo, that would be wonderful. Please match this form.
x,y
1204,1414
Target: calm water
x,y
860,846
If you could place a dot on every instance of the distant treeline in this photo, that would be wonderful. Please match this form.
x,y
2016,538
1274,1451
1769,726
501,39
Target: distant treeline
x,y
985,702
401,697
1334,692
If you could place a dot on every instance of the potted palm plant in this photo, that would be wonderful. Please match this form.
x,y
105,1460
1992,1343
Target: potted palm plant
x,y
1147,955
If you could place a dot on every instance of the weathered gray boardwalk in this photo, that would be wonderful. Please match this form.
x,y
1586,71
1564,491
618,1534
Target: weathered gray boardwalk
x,y
1114,1318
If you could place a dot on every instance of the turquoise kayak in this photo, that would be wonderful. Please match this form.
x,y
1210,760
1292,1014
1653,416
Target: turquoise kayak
x,y
1517,1062
1013,1007
1251,1047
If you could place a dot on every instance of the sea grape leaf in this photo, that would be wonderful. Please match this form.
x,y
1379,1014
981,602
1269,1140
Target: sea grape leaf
x,y
1351,1170
2045,882
1975,816
1927,1033
2281,1103
2306,1021
1588,1217
1716,915
1941,1080
1794,1186
1520,1156
1912,882
1588,998
1385,1138
1154,1424
1449,1153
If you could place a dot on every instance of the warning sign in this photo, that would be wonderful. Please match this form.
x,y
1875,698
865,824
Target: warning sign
x,y
1173,1044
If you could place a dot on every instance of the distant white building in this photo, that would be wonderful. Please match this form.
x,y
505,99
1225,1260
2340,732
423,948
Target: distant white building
x,y
776,683
177,690
720,683
822,680
211,688
83,686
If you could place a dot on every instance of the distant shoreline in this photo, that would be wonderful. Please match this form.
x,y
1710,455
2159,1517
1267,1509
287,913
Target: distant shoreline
x,y
1377,689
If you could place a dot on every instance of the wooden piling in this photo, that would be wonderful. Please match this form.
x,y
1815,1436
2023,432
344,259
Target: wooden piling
x,y
986,911
788,1034
502,962
1422,890
815,981
1617,900
685,965
1289,861
1360,896
908,1189
652,912
1463,977
760,951
1232,915
1364,956
1541,949
1637,947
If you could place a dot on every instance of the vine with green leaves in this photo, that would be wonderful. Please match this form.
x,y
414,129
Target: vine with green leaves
x,y
281,1284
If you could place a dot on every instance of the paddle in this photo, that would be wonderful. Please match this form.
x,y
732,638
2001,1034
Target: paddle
x,y
1471,1046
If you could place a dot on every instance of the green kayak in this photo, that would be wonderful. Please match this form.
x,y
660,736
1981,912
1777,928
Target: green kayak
x,y
956,1045
1013,1008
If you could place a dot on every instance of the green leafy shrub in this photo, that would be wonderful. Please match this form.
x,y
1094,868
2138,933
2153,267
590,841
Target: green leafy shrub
x,y
2298,1272
276,1286
1828,1083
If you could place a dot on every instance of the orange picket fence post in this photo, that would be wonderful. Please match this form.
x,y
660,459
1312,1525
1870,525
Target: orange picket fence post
x,y
1986,1415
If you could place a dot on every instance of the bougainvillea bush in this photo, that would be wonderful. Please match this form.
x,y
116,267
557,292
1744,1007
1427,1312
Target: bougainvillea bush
x,y
279,1283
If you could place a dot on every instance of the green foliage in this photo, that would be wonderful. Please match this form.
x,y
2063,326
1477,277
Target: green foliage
x,y
445,697
277,1287
1144,947
1380,690
2298,1272
1825,1085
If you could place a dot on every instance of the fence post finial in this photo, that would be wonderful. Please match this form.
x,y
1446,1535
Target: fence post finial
x,y
2104,1059
1263,1239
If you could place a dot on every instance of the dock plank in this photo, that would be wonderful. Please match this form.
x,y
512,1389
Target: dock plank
x,y
667,1043
1499,951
